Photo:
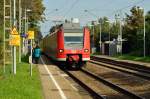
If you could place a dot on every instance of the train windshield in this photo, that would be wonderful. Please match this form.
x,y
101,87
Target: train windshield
x,y
73,39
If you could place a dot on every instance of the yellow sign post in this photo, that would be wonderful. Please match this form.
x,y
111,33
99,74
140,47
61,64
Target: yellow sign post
x,y
14,40
14,31
30,34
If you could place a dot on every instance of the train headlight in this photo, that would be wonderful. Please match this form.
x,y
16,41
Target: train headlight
x,y
86,50
61,50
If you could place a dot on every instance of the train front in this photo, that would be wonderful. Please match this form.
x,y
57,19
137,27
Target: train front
x,y
74,46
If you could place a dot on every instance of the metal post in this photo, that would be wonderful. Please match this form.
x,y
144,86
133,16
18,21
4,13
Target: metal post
x,y
25,31
121,30
14,48
109,37
4,40
20,14
144,31
31,59
27,41
100,38
93,37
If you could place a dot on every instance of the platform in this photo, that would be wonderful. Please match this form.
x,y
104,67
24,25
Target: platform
x,y
56,84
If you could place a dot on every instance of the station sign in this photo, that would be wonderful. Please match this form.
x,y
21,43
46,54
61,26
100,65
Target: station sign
x,y
30,34
14,31
14,40
23,35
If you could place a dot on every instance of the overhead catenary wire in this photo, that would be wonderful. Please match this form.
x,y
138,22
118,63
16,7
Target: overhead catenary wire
x,y
120,10
71,7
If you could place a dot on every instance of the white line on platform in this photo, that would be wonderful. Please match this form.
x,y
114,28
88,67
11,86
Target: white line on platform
x,y
54,81
67,81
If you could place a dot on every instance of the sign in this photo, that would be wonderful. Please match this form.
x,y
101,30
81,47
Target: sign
x,y
14,31
30,34
14,40
23,35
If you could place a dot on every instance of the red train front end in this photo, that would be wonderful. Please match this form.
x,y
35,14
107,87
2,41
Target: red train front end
x,y
73,45
68,43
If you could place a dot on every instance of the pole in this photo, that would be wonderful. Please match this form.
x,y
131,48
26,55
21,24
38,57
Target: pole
x,y
20,14
109,37
23,40
93,37
121,31
144,31
31,60
4,39
100,34
14,47
27,28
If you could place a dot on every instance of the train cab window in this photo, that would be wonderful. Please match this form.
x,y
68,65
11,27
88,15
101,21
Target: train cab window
x,y
73,39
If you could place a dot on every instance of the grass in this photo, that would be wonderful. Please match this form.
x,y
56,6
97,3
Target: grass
x,y
129,57
134,58
21,85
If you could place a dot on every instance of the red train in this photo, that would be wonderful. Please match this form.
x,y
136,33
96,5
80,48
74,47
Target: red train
x,y
68,43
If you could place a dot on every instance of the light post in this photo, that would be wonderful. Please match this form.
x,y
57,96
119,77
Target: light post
x,y
117,16
26,29
93,36
14,47
20,15
144,45
100,28
100,36
109,34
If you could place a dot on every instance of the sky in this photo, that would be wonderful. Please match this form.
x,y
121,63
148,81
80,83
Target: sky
x,y
58,10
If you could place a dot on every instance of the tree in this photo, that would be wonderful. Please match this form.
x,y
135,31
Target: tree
x,y
132,30
148,33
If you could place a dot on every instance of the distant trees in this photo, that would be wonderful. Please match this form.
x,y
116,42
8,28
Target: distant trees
x,y
35,16
148,33
132,29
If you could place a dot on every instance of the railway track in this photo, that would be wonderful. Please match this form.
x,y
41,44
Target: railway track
x,y
113,86
95,94
123,67
115,91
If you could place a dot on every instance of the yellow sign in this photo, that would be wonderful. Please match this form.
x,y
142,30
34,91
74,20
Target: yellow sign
x,y
14,31
30,34
14,40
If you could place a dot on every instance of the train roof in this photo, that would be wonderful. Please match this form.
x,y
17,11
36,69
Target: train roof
x,y
71,26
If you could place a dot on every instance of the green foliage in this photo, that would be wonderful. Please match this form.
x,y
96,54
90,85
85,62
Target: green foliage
x,y
106,29
1,11
35,16
133,31
148,33
134,58
1,45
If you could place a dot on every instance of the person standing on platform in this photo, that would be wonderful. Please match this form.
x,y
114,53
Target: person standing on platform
x,y
36,54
